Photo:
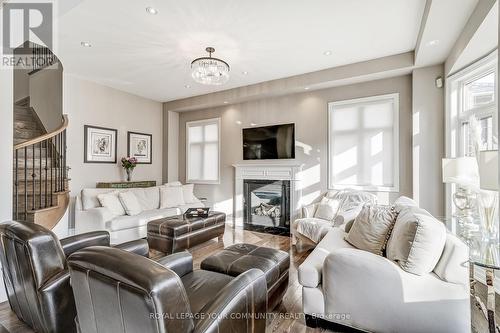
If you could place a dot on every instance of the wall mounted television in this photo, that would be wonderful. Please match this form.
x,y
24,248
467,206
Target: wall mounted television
x,y
269,142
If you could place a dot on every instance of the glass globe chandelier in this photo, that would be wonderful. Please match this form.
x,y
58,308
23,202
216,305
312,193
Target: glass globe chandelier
x,y
209,70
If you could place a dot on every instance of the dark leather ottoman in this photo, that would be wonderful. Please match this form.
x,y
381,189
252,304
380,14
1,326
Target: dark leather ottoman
x,y
177,233
239,258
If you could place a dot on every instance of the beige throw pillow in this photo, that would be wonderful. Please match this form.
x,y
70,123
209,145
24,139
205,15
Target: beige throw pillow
x,y
171,196
111,202
417,241
130,203
327,209
371,228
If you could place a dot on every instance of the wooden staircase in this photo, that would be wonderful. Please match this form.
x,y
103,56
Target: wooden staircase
x,y
40,173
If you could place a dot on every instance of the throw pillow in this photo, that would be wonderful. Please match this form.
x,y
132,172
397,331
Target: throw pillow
x,y
327,209
188,193
417,241
348,226
130,203
371,228
112,202
171,196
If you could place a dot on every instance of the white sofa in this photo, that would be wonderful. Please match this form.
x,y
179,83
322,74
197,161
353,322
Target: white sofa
x,y
90,216
309,229
369,292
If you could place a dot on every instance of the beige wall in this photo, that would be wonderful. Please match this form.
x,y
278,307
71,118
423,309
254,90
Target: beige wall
x,y
88,103
428,139
45,91
309,112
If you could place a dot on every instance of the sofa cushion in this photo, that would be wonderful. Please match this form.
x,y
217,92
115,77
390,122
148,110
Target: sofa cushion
x,y
188,193
142,219
89,197
310,270
372,227
452,266
130,203
112,202
313,228
417,240
327,209
171,196
149,198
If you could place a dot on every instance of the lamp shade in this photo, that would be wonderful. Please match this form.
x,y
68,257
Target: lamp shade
x,y
461,170
488,170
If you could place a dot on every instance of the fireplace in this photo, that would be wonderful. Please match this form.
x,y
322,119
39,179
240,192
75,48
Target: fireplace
x,y
266,206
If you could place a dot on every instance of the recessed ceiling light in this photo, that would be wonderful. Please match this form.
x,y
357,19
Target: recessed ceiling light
x,y
238,122
244,73
152,11
225,102
187,86
433,42
327,53
253,124
86,44
306,88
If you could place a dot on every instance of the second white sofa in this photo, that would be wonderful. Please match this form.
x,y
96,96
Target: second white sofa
x,y
91,216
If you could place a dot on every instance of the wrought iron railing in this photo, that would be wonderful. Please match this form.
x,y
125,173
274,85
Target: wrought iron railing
x,y
42,57
40,171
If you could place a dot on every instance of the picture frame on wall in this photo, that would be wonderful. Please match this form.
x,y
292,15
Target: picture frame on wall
x,y
100,144
140,146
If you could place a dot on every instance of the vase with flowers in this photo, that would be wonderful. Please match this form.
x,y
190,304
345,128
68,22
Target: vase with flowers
x,y
129,163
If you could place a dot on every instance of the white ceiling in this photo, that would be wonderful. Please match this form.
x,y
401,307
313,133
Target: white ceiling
x,y
150,55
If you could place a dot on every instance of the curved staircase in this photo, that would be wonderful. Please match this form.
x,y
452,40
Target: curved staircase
x,y
41,187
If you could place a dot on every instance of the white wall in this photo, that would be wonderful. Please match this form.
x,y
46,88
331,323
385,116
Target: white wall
x,y
428,139
88,103
45,91
173,146
309,112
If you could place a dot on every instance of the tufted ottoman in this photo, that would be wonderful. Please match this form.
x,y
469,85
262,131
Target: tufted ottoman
x,y
239,258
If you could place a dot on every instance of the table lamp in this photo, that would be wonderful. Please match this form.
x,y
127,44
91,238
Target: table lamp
x,y
488,198
464,172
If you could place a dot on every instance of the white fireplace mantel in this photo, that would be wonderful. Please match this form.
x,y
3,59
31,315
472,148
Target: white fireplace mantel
x,y
281,170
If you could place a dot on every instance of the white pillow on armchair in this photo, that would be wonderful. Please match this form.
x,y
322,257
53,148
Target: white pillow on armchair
x,y
327,209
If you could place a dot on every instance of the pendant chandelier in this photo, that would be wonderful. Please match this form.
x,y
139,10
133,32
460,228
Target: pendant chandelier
x,y
209,70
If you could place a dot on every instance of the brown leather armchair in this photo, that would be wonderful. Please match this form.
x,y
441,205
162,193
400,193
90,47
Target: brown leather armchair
x,y
117,291
36,275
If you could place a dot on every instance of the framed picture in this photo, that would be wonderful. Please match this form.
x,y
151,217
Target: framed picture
x,y
100,144
140,147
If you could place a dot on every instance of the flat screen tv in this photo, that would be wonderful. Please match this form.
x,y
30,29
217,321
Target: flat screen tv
x,y
269,142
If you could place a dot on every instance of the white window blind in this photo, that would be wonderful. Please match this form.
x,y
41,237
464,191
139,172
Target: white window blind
x,y
364,143
203,151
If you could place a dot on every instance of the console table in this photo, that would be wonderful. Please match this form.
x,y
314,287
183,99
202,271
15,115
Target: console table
x,y
141,184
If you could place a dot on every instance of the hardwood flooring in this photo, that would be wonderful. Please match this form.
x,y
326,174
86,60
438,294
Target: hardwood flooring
x,y
287,317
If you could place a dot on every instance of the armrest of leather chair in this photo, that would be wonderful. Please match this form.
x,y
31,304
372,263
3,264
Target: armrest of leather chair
x,y
244,297
77,242
57,299
139,246
181,263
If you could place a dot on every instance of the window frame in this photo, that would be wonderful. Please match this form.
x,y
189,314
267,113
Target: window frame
x,y
396,139
198,123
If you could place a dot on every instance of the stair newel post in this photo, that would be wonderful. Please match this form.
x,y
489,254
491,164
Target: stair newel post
x,y
59,165
16,184
65,172
56,158
40,175
33,176
51,170
46,169
25,183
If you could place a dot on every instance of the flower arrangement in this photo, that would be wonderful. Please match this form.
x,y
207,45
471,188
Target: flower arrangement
x,y
129,163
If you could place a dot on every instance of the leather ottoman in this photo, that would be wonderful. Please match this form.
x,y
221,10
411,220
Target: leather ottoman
x,y
177,233
239,258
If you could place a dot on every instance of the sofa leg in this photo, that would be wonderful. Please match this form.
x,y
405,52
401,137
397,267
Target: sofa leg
x,y
311,321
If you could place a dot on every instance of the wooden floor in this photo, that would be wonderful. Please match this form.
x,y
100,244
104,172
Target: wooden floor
x,y
286,318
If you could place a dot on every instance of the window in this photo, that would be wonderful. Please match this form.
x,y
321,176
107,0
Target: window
x,y
363,140
203,151
471,109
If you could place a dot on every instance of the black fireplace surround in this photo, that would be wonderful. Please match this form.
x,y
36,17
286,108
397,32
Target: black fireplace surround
x,y
266,206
